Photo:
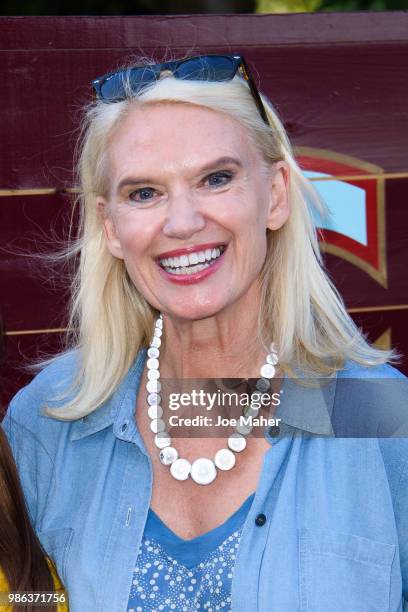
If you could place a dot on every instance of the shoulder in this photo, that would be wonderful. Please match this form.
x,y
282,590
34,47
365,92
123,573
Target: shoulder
x,y
353,369
370,402
56,377
25,425
48,387
371,387
380,390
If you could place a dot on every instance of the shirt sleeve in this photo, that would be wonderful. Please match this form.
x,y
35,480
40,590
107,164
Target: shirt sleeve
x,y
395,455
401,515
33,459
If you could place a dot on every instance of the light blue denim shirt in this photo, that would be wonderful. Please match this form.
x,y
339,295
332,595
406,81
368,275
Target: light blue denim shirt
x,y
336,531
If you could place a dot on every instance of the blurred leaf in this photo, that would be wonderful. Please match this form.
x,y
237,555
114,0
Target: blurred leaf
x,y
287,6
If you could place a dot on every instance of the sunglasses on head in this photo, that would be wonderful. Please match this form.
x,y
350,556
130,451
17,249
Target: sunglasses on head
x,y
117,86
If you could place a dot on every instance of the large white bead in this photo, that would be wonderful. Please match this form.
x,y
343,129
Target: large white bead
x,y
268,370
155,411
203,471
262,385
154,386
272,347
250,411
153,398
159,323
236,442
152,364
243,428
180,469
272,358
162,439
153,374
168,455
156,342
153,352
224,459
157,425
157,332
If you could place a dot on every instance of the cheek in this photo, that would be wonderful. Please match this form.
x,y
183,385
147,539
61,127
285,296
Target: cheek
x,y
253,245
135,240
248,220
135,233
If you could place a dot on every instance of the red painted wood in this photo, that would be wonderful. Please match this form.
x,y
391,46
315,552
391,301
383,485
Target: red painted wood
x,y
207,30
36,291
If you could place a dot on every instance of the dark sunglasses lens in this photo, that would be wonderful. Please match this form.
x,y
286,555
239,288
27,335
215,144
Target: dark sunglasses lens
x,y
112,88
123,84
139,77
217,68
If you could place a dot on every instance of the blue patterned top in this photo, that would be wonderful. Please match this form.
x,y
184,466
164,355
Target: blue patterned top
x,y
184,575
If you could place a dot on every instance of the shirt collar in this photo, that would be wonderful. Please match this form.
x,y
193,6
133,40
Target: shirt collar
x,y
305,406
120,407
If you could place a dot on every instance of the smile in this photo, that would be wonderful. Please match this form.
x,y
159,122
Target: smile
x,y
191,263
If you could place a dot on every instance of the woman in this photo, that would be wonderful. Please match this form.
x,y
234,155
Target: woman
x,y
197,244
23,566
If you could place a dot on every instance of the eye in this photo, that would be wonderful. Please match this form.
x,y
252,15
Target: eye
x,y
144,194
218,179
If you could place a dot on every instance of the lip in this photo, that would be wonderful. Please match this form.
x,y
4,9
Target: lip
x,y
191,249
190,279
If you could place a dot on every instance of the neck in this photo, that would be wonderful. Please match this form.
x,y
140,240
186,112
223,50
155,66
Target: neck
x,y
226,344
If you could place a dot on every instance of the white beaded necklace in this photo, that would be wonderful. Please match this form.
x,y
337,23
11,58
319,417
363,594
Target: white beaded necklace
x,y
203,470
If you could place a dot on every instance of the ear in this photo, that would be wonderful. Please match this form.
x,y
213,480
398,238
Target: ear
x,y
279,207
111,238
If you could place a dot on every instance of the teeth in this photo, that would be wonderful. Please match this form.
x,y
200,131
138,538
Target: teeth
x,y
191,263
189,270
193,259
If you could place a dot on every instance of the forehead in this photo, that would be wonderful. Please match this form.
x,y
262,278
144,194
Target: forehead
x,y
166,135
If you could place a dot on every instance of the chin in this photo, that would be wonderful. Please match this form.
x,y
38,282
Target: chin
x,y
194,312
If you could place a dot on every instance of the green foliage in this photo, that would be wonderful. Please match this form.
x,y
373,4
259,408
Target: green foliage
x,y
287,6
303,6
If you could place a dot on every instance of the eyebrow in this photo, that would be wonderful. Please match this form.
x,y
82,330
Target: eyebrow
x,y
221,161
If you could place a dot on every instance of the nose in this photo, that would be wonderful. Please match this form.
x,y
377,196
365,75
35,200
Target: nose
x,y
183,218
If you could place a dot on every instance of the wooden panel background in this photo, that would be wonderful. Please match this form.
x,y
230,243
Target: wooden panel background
x,y
337,80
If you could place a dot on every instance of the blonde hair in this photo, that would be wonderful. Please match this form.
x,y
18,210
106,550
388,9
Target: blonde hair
x,y
300,309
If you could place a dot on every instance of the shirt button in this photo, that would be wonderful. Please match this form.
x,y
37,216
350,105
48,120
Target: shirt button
x,y
124,427
274,431
260,520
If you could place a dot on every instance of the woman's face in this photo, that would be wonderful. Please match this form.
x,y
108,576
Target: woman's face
x,y
190,203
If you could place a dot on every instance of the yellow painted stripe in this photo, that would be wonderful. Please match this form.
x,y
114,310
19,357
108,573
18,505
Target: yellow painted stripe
x,y
29,332
361,177
60,330
378,308
35,191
